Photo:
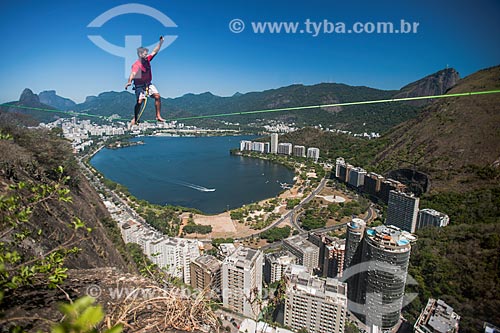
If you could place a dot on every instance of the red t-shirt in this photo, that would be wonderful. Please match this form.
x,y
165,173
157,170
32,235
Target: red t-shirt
x,y
142,69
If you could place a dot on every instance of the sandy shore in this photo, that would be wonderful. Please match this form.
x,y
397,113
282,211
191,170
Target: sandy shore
x,y
223,226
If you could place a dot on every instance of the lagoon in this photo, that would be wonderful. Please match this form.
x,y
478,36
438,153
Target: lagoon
x,y
194,172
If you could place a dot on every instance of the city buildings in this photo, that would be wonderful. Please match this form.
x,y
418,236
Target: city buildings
x,y
307,253
206,274
437,317
242,281
82,133
344,172
331,253
279,148
314,304
276,264
313,153
402,211
430,217
173,255
354,235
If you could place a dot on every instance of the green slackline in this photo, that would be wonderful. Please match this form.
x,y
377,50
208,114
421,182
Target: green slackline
x,y
78,114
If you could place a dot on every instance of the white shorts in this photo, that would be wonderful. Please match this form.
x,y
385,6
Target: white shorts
x,y
140,92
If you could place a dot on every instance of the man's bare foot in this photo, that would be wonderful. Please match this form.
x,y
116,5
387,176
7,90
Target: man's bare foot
x,y
132,123
160,119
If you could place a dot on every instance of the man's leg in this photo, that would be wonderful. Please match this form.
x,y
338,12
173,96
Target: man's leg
x,y
137,110
158,107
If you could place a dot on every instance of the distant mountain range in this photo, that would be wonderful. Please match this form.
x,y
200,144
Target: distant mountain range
x,y
455,141
359,118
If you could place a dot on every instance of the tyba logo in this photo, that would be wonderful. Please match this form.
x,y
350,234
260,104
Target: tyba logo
x,y
128,52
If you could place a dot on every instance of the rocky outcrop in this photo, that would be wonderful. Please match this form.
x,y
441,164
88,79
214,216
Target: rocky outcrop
x,y
50,97
434,84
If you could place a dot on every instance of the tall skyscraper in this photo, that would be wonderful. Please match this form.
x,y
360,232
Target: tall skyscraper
x,y
274,143
315,304
430,217
242,281
353,254
402,211
354,236
385,258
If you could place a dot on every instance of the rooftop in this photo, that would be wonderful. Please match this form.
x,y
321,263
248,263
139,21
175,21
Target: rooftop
x,y
390,236
208,262
242,257
302,281
437,317
301,243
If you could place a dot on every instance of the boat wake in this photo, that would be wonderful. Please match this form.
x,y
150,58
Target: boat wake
x,y
194,186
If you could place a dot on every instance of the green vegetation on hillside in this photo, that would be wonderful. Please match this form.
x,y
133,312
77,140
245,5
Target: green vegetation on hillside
x,y
459,264
478,206
357,151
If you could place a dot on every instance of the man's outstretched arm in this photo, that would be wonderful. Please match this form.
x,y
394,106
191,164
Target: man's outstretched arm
x,y
157,47
130,78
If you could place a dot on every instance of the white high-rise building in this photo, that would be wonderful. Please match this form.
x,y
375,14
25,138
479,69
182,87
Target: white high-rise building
x,y
299,151
431,218
242,281
402,210
173,255
245,145
267,147
338,162
314,304
258,147
313,153
285,148
276,264
274,143
357,177
306,252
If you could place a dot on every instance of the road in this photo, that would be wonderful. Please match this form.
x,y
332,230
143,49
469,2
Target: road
x,y
291,214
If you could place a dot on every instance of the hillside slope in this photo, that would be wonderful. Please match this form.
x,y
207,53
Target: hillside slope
x,y
58,243
31,157
454,140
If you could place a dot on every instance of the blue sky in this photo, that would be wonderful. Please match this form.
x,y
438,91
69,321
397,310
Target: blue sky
x,y
45,45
